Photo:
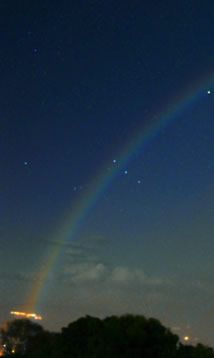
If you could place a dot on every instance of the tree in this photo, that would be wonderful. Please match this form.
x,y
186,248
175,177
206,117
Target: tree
x,y
16,335
43,345
82,338
116,337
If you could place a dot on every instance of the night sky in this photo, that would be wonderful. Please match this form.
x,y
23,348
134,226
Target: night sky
x,y
80,81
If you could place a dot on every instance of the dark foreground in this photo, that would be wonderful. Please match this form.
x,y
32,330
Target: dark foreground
x,y
113,337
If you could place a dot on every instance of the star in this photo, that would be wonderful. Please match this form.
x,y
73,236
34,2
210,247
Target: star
x,y
25,163
208,91
139,181
125,172
114,161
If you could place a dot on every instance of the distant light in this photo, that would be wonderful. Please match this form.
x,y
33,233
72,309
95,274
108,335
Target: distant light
x,y
26,315
186,338
139,181
25,163
208,91
114,161
125,172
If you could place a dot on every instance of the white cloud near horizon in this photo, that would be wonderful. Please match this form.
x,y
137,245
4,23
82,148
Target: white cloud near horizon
x,y
86,272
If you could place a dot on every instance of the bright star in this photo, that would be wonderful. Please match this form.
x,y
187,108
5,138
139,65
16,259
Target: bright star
x,y
126,172
208,92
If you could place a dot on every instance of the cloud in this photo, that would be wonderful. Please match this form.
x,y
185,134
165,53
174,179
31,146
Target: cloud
x,y
125,275
90,271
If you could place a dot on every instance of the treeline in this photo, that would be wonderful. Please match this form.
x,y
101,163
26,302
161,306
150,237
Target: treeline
x,y
127,336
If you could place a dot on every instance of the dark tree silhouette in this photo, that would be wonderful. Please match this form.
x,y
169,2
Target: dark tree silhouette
x,y
16,334
127,336
43,345
200,351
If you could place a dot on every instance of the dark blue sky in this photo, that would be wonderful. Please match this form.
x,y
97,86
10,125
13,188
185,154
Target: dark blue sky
x,y
79,79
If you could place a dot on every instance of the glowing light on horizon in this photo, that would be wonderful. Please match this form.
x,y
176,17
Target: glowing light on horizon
x,y
186,338
26,315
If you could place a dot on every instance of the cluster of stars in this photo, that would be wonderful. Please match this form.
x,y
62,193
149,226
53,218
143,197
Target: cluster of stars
x,y
125,172
77,188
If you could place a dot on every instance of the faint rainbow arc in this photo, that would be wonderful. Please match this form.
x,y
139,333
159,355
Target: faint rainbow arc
x,y
104,177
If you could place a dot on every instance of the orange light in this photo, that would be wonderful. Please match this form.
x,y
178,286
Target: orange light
x,y
26,315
